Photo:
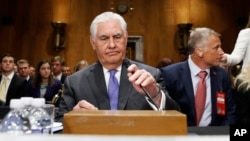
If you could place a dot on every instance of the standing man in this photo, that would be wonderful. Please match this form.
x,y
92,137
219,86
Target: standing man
x,y
11,85
58,63
200,87
93,88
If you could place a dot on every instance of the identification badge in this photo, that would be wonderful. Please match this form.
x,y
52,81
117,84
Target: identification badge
x,y
221,106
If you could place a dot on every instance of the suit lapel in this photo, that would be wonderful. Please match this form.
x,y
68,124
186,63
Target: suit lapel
x,y
12,85
215,86
49,92
125,89
98,86
186,78
10,89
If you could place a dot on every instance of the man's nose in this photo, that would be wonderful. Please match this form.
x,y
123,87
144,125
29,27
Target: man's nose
x,y
111,42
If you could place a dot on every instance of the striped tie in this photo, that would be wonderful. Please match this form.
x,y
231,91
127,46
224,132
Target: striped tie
x,y
3,89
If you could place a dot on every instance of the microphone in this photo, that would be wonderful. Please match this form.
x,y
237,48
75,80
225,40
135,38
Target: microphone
x,y
127,64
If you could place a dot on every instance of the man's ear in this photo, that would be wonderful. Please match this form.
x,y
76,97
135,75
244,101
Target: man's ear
x,y
199,52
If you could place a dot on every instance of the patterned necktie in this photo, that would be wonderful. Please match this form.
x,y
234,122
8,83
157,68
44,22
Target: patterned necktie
x,y
200,97
3,89
113,90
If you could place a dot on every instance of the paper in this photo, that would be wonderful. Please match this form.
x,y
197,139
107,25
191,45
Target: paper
x,y
57,126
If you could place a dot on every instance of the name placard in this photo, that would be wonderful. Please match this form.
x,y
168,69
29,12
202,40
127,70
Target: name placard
x,y
125,122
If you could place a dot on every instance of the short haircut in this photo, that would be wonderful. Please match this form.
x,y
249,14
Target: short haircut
x,y
7,55
199,36
22,61
58,58
106,16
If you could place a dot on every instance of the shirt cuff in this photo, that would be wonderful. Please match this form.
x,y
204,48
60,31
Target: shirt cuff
x,y
162,105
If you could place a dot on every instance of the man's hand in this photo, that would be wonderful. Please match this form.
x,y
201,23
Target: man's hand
x,y
223,58
84,105
141,78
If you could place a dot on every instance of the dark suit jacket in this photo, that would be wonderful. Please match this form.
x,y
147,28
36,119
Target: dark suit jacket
x,y
89,84
50,92
63,78
179,85
16,88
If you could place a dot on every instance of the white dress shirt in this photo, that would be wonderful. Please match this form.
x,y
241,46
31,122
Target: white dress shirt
x,y
194,69
59,76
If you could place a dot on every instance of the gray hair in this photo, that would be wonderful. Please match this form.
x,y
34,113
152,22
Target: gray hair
x,y
106,16
199,36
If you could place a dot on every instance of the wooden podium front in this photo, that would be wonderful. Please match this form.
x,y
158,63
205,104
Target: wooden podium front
x,y
125,122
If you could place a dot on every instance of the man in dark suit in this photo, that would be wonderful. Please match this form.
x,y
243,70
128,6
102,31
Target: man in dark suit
x,y
58,63
88,89
181,80
23,69
14,84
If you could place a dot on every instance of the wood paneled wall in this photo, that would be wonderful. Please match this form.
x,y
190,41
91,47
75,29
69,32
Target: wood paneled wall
x,y
26,30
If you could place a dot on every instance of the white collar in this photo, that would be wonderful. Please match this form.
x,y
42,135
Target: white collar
x,y
10,76
194,69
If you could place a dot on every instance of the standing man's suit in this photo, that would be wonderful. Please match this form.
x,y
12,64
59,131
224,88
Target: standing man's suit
x,y
179,85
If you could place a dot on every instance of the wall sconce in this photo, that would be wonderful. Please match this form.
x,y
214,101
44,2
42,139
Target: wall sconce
x,y
121,6
182,37
59,35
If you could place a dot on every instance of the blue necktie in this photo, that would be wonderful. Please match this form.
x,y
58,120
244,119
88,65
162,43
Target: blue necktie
x,y
113,90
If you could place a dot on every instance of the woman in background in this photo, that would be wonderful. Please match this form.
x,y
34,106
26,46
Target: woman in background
x,y
81,65
43,84
242,83
241,50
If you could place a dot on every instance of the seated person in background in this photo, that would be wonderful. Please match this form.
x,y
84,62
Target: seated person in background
x,y
15,70
43,84
57,64
242,85
32,71
11,85
67,70
89,89
208,101
23,69
164,62
81,65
